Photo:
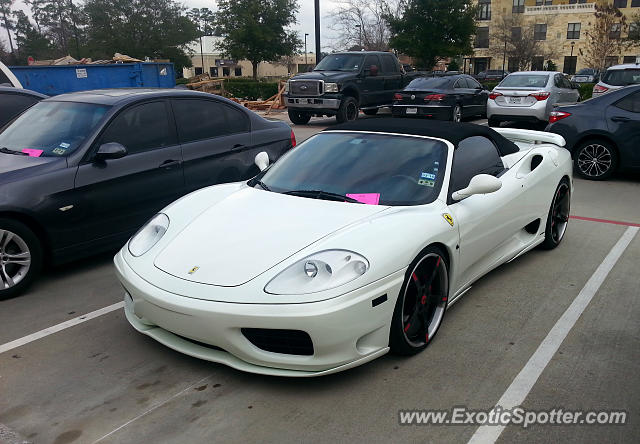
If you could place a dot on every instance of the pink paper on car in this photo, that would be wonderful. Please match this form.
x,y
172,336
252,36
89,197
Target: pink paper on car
x,y
32,152
368,198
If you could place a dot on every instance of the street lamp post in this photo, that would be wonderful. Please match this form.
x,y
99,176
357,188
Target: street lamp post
x,y
316,5
305,50
572,45
504,56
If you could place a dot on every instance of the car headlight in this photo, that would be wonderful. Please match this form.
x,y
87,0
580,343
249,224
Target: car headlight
x,y
149,235
331,87
320,271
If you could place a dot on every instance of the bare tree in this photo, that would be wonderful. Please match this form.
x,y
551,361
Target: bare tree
x,y
604,38
361,24
517,40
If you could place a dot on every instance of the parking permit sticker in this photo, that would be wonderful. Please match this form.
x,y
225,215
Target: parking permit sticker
x,y
427,183
64,145
59,151
428,176
33,153
368,198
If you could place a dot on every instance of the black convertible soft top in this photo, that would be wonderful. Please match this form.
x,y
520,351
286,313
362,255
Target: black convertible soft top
x,y
453,132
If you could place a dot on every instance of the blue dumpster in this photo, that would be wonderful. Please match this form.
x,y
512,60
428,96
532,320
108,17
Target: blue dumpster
x,y
52,80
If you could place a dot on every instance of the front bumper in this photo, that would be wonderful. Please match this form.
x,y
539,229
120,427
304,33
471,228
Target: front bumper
x,y
346,331
312,103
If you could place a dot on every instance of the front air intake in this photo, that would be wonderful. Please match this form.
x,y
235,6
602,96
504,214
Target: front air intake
x,y
290,342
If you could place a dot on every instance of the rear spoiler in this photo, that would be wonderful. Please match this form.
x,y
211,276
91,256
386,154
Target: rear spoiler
x,y
530,136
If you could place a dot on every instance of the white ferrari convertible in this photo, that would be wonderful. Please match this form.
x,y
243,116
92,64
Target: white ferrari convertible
x,y
353,244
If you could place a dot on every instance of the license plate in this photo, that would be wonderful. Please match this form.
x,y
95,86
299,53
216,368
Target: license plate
x,y
581,79
515,99
412,110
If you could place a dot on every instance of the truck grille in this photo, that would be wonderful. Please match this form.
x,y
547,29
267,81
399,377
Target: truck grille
x,y
305,87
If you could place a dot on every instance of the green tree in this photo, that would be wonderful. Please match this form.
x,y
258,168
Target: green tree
x,y
429,30
256,30
205,20
139,28
7,20
29,41
37,11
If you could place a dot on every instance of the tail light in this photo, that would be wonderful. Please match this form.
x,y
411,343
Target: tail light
x,y
554,116
434,97
397,96
293,139
598,89
493,95
543,95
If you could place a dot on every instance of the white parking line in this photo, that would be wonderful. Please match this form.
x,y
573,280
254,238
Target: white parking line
x,y
59,327
523,383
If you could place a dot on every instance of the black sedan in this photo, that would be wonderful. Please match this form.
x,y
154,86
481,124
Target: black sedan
x,y
81,172
603,133
445,98
13,101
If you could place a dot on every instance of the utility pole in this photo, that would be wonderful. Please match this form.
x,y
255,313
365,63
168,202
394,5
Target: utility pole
x,y
317,11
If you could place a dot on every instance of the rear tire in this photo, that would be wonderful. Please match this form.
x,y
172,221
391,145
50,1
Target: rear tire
x,y
20,257
370,112
456,114
421,304
558,218
299,117
493,122
348,111
595,159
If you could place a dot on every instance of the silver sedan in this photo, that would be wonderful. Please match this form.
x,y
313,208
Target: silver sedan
x,y
529,96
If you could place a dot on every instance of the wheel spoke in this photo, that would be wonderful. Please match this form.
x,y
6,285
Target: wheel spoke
x,y
7,280
19,258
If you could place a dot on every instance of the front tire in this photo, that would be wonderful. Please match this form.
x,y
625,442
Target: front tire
x,y
421,303
20,257
348,111
558,217
595,159
299,117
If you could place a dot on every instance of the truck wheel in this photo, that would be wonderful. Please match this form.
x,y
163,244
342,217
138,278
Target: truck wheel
x,y
20,257
299,117
370,112
348,110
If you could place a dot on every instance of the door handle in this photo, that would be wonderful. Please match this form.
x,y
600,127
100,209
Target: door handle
x,y
620,119
170,163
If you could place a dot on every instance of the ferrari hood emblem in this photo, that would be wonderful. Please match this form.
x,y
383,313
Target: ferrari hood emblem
x,y
448,218
194,269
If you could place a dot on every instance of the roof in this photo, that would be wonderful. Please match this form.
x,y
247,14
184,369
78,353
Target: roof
x,y
28,92
543,73
118,96
625,66
452,131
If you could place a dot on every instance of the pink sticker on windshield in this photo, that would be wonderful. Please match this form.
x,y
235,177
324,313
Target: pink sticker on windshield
x,y
32,152
368,198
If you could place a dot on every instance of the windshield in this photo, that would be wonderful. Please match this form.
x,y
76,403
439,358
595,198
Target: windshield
x,y
622,77
52,129
340,62
370,168
524,81
427,83
585,72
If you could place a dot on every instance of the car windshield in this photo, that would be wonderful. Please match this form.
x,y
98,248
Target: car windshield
x,y
52,129
422,83
525,81
622,77
340,62
365,167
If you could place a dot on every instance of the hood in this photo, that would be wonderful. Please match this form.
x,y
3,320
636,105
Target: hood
x,y
250,231
14,167
327,76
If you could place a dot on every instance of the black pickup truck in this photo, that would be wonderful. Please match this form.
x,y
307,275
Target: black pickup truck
x,y
342,83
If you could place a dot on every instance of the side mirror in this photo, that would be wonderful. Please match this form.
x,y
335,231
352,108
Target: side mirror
x,y
373,70
111,150
480,184
262,160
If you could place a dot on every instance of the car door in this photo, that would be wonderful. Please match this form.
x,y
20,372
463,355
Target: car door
x,y
623,121
479,95
463,97
372,85
216,142
118,195
392,77
487,223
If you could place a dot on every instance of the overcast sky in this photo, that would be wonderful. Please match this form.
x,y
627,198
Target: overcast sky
x,y
305,19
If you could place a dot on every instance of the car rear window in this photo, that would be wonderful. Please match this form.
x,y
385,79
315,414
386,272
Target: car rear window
x,y
622,77
427,83
525,81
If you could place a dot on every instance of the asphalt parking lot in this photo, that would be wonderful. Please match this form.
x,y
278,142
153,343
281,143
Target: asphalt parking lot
x,y
97,380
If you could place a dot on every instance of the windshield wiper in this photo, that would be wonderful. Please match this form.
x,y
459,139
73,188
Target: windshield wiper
x,y
262,184
320,194
8,151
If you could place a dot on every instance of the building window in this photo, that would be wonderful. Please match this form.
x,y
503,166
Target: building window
x,y
635,3
620,3
629,59
537,63
610,61
237,72
484,10
197,70
213,71
482,37
518,7
540,32
544,2
573,2
614,32
516,33
570,63
573,31
226,72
